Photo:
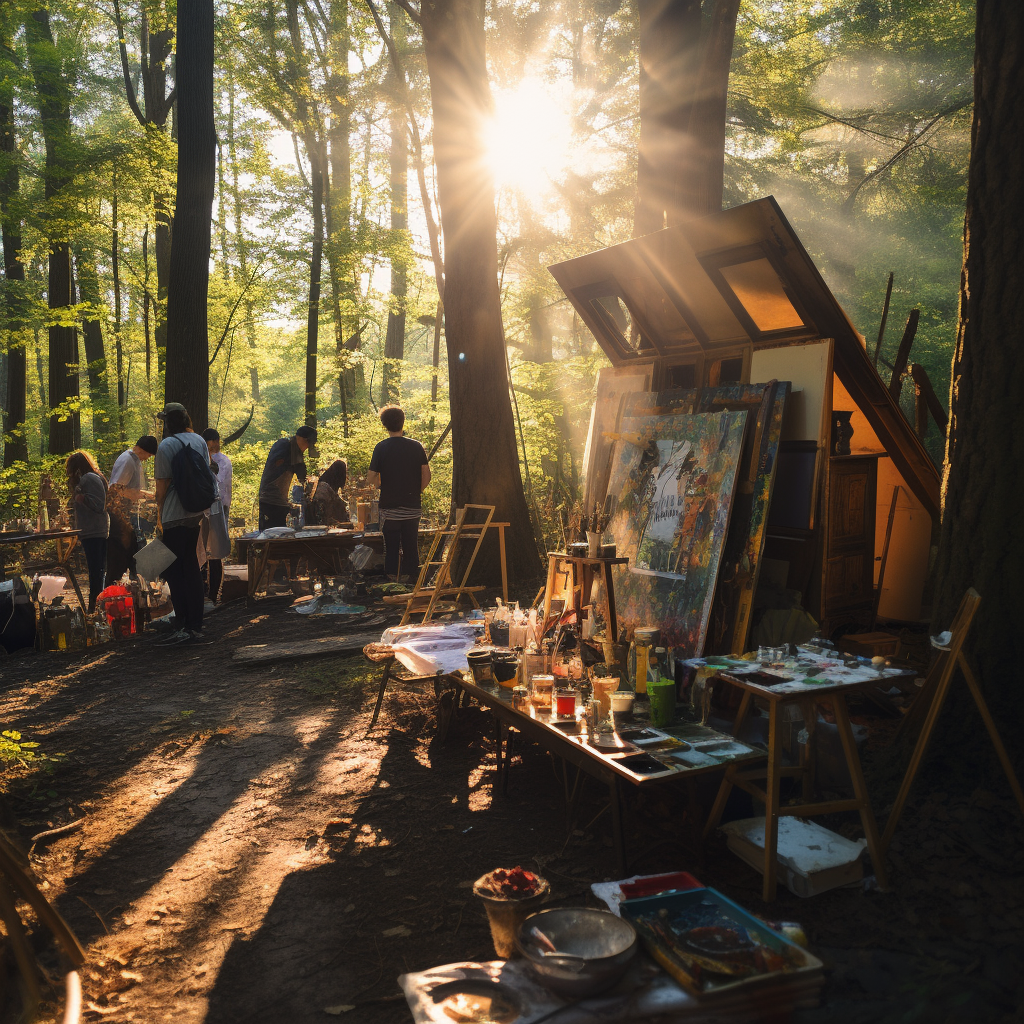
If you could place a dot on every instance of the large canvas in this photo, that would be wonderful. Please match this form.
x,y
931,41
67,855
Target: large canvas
x,y
673,481
741,559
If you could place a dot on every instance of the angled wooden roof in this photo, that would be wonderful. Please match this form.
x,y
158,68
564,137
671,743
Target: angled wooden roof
x,y
737,277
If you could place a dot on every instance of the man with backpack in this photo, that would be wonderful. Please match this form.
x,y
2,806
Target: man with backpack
x,y
185,489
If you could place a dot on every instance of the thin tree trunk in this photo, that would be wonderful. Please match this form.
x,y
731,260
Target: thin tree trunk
x,y
14,411
146,301
187,375
983,473
44,429
241,245
95,351
486,459
115,269
52,93
398,167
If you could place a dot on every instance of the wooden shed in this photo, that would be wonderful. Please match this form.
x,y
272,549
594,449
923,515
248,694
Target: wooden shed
x,y
734,298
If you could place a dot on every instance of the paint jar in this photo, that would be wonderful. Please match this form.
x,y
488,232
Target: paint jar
x,y
542,687
480,663
604,687
565,703
520,697
622,708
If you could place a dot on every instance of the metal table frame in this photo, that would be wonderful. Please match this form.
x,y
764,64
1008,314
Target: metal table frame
x,y
63,555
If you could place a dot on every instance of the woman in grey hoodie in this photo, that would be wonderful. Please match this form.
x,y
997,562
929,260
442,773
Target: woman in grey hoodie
x,y
88,487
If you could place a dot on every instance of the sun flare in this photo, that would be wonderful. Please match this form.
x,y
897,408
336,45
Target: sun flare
x,y
529,137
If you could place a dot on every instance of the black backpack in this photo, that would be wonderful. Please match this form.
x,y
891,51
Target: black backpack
x,y
192,479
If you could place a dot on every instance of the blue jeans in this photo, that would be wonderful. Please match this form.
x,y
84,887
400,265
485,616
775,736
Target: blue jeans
x,y
95,549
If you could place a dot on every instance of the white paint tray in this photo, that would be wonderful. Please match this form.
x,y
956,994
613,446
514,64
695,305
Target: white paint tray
x,y
811,859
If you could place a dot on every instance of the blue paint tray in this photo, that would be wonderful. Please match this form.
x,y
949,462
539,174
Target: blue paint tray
x,y
697,953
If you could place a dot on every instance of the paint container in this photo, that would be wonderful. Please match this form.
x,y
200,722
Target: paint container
x,y
505,666
622,708
480,663
499,633
604,687
542,688
565,702
663,701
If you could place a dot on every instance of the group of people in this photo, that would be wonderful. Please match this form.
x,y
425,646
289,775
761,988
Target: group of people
x,y
111,527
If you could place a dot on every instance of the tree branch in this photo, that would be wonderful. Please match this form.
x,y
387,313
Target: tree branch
x,y
411,11
133,99
231,315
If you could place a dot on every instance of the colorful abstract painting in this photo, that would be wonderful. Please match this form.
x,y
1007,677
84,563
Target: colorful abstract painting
x,y
672,484
731,613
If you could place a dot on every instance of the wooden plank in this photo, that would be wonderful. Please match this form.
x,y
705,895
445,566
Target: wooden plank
x,y
903,355
885,316
320,648
935,407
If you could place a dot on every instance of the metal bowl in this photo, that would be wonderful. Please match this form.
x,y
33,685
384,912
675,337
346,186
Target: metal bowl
x,y
598,947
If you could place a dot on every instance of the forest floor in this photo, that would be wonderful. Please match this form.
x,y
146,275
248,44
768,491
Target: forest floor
x,y
248,853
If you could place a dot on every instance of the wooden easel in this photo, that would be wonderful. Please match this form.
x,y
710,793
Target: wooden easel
x,y
448,539
933,696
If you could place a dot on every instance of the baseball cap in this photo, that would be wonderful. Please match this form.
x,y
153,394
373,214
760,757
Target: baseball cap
x,y
309,433
171,407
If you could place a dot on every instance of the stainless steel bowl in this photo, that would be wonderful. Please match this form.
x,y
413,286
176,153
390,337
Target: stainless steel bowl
x,y
598,947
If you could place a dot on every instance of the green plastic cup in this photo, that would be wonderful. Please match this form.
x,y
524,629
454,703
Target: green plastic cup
x,y
662,696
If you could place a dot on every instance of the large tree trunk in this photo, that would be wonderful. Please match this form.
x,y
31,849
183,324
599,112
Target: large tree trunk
x,y
398,166
486,457
52,94
684,74
188,377
95,351
983,477
315,272
14,411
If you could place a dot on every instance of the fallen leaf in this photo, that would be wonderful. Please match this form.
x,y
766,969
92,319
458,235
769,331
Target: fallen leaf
x,y
397,930
339,1009
391,872
104,892
465,885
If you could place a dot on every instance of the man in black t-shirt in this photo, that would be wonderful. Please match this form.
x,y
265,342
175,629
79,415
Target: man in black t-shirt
x,y
399,467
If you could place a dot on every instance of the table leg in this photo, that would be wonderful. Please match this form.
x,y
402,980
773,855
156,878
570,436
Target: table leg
x,y
613,621
618,838
380,693
860,789
504,567
741,712
771,810
64,561
721,798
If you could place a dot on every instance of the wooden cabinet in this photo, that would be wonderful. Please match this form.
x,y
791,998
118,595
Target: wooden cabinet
x,y
848,584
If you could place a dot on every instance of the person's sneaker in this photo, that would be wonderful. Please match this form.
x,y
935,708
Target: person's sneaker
x,y
178,637
197,636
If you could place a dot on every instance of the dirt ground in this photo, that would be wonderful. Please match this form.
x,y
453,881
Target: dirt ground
x,y
249,853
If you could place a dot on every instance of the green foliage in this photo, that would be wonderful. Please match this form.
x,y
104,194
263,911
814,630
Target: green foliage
x,y
19,756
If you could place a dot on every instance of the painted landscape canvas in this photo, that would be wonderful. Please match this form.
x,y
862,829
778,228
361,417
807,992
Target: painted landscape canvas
x,y
673,482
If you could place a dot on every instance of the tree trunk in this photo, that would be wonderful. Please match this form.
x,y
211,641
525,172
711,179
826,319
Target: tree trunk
x,y
398,167
14,411
684,76
115,271
983,474
52,94
95,351
44,431
146,303
315,271
241,244
188,377
486,459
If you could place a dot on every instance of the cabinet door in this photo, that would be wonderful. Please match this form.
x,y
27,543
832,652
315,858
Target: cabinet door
x,y
849,576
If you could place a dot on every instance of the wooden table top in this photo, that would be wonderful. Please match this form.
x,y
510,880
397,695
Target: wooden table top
x,y
573,745
21,538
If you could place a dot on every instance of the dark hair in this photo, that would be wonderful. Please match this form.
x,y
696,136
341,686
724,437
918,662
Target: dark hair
x,y
177,421
77,465
211,434
336,474
147,443
309,433
392,418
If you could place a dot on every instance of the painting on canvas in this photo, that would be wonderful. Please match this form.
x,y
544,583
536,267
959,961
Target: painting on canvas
x,y
673,481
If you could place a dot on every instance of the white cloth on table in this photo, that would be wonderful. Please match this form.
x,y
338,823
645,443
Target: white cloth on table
x,y
433,647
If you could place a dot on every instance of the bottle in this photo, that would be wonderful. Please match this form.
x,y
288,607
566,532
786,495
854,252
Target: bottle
x,y
658,665
643,652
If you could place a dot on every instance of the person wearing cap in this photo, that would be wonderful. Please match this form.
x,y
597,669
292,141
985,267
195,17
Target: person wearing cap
x,y
285,460
128,485
221,466
181,527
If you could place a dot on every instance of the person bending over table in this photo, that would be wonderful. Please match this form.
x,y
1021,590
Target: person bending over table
x,y
399,468
285,460
181,527
128,485
327,507
89,490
